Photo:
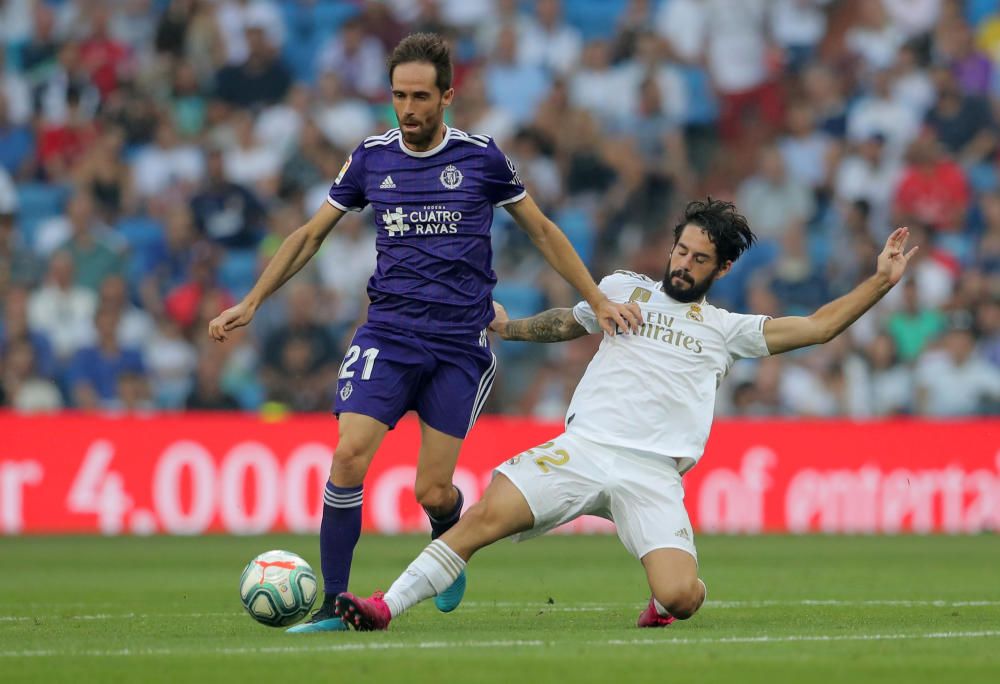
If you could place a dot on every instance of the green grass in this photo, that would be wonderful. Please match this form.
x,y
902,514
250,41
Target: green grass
x,y
562,609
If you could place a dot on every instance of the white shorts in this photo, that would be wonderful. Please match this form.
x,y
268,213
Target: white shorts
x,y
572,476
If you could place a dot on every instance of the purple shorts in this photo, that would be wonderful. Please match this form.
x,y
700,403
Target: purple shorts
x,y
444,378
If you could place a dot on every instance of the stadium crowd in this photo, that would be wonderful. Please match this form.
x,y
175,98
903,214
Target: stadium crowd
x,y
154,153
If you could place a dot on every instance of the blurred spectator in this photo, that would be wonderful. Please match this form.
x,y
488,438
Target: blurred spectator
x,y
104,172
914,326
964,124
62,144
911,84
519,87
878,113
103,58
876,37
39,54
932,188
344,120
823,89
954,380
224,211
15,327
912,18
358,60
170,361
955,47
798,27
346,262
135,326
132,394
167,167
249,161
15,93
185,301
300,360
878,384
546,41
17,142
809,154
95,253
93,372
62,310
236,17
18,265
207,393
22,387
475,114
867,173
773,200
798,284
262,78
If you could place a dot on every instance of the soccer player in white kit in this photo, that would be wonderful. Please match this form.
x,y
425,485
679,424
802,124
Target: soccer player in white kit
x,y
638,420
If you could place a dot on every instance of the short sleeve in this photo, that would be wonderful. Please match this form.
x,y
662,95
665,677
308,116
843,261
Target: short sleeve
x,y
502,183
745,335
348,190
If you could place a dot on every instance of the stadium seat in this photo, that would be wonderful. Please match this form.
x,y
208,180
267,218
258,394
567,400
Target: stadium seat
x,y
309,26
238,271
703,106
594,18
36,203
576,224
145,240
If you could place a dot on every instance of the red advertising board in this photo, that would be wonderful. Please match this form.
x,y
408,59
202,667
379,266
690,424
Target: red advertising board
x,y
196,473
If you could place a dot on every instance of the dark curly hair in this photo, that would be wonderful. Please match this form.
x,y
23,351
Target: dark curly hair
x,y
424,47
727,229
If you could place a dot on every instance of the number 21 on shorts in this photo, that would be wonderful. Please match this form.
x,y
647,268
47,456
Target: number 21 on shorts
x,y
352,356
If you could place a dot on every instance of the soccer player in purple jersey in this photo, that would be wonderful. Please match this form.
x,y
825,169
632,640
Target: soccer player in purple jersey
x,y
424,346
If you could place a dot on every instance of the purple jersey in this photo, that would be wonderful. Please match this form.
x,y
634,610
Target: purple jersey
x,y
433,210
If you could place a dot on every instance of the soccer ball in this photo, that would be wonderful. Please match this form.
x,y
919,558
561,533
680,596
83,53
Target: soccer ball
x,y
277,588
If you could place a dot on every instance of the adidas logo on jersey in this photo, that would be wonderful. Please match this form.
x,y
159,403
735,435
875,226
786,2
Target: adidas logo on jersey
x,y
387,184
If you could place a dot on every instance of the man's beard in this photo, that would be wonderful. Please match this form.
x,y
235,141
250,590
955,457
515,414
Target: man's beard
x,y
421,137
693,292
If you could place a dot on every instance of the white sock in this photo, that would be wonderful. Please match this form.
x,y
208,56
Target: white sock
x,y
429,574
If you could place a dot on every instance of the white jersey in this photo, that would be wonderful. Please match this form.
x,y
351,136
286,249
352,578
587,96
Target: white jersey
x,y
654,391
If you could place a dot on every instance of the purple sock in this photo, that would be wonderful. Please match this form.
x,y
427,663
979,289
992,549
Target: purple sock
x,y
441,525
338,535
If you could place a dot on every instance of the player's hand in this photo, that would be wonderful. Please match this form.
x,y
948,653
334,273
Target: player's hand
x,y
500,318
230,319
613,316
894,258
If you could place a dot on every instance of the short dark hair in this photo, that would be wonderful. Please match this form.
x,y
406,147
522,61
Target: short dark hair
x,y
424,47
727,229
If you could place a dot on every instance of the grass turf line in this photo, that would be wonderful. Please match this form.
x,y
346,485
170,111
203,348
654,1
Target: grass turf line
x,y
556,609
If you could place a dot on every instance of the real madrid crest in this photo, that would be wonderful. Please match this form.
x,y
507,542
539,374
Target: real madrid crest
x,y
451,177
345,391
694,313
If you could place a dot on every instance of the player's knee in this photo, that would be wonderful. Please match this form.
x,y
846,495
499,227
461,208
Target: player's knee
x,y
435,496
682,600
350,463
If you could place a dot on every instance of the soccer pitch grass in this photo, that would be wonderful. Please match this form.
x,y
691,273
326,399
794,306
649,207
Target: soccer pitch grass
x,y
795,609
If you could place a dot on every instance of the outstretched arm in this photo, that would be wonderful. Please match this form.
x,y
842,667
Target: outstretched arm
x,y
554,325
793,332
559,252
295,251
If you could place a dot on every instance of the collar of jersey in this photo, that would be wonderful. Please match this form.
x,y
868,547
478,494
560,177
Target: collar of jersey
x,y
427,153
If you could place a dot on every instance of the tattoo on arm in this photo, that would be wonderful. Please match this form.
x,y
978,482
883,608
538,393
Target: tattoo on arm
x,y
554,325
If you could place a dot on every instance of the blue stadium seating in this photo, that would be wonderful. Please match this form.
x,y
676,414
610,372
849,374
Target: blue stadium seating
x,y
36,203
238,271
